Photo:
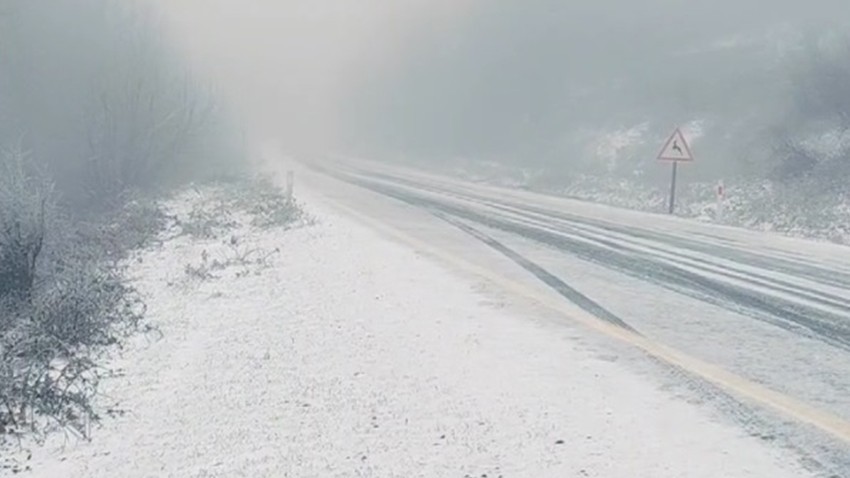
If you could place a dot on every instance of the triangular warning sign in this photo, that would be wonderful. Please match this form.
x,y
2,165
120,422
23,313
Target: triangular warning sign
x,y
676,148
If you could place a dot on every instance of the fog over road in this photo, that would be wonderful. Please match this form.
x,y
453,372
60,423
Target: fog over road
x,y
466,301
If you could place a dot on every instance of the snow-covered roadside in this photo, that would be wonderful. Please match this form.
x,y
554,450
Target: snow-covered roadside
x,y
350,355
801,210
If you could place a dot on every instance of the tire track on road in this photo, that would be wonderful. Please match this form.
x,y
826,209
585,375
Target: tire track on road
x,y
786,314
757,394
554,282
832,278
725,270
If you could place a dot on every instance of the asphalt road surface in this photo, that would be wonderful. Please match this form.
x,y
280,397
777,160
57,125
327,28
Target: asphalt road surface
x,y
757,325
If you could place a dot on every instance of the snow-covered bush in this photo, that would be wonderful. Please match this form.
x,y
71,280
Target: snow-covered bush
x,y
269,208
110,117
259,197
207,221
48,372
62,298
24,201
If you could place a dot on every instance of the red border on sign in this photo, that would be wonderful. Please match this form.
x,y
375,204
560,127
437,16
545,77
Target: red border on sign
x,y
677,133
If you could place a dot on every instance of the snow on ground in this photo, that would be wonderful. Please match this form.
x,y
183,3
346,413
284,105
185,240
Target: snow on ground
x,y
809,252
801,210
350,355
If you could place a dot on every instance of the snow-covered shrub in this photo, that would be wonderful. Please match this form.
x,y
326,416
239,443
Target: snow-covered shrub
x,y
24,199
49,342
112,115
269,207
210,220
258,197
48,370
113,233
62,299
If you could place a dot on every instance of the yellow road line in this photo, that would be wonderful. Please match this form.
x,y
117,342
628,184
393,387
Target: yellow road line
x,y
790,407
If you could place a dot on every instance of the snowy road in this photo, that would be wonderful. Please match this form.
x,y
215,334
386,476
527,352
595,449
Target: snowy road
x,y
773,310
353,354
788,292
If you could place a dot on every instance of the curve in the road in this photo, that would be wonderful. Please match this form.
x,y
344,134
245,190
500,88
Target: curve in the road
x,y
801,412
828,327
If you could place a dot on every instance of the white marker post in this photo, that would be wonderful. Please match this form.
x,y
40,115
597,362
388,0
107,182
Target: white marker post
x,y
676,149
721,197
290,185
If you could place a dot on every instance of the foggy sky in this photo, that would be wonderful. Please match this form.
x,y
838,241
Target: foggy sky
x,y
288,64
494,78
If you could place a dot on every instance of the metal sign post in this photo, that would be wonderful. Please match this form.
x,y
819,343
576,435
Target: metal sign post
x,y
672,201
676,149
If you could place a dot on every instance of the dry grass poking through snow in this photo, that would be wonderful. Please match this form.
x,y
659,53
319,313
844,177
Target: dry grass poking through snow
x,y
82,309
210,211
222,214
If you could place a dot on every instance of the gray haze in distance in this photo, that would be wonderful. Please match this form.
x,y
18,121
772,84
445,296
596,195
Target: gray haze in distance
x,y
290,65
536,82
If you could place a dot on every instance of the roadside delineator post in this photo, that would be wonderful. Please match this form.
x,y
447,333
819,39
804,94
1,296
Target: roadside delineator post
x,y
290,184
721,198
